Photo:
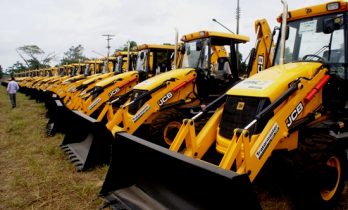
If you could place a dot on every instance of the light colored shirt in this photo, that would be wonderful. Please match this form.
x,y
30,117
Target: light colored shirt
x,y
12,87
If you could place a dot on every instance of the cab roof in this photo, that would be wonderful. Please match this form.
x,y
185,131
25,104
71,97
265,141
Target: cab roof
x,y
154,46
222,35
316,10
118,53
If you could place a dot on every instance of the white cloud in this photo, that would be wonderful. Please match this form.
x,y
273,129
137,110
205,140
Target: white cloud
x,y
57,25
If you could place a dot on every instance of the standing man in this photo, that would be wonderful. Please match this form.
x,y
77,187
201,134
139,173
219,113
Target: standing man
x,y
12,88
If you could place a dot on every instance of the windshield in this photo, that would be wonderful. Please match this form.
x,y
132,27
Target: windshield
x,y
141,60
105,67
86,73
61,72
119,63
74,71
196,54
308,42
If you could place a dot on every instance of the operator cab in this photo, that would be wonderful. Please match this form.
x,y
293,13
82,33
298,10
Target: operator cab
x,y
122,64
319,34
153,59
213,55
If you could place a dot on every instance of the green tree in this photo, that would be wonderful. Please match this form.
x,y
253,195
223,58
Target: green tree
x,y
73,55
30,54
17,67
242,64
1,72
288,55
125,46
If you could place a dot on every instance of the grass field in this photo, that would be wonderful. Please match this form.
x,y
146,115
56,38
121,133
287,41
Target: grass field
x,y
35,174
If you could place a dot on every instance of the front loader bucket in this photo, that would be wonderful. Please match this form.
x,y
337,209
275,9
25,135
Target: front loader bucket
x,y
143,175
58,118
87,142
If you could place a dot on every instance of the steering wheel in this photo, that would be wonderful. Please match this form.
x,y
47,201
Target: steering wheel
x,y
319,58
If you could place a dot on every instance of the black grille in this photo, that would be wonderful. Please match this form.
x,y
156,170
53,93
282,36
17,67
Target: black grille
x,y
134,107
239,112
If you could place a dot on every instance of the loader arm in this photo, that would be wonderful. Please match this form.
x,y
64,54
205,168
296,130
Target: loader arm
x,y
119,85
110,109
251,152
74,91
177,87
246,151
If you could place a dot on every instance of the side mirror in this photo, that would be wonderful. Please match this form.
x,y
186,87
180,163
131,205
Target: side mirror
x,y
199,45
141,55
276,28
183,49
287,32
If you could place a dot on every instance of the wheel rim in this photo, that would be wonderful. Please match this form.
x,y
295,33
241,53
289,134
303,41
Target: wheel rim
x,y
335,163
170,132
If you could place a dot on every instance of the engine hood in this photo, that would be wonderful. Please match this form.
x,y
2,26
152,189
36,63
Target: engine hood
x,y
159,79
274,81
94,77
122,76
74,78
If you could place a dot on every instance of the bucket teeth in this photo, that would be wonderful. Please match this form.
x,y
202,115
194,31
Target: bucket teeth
x,y
63,146
69,152
73,158
79,164
66,150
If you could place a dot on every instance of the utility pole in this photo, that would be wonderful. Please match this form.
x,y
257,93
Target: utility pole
x,y
108,47
108,40
237,30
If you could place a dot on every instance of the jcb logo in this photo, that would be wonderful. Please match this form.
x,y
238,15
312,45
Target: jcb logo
x,y
240,106
294,114
114,92
165,98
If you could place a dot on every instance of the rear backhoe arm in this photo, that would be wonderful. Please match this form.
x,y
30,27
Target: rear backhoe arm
x,y
261,56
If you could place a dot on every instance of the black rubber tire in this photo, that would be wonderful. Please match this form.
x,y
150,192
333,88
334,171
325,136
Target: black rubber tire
x,y
159,124
314,174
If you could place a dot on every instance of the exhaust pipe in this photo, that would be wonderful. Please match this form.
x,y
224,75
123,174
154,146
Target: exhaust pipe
x,y
283,32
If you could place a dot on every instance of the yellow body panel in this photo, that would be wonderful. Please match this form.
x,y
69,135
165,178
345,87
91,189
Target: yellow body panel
x,y
114,86
317,10
243,151
154,46
173,79
204,34
275,79
155,81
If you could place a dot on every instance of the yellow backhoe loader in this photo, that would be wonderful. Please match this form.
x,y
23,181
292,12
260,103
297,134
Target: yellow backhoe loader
x,y
157,106
296,107
95,70
153,59
82,92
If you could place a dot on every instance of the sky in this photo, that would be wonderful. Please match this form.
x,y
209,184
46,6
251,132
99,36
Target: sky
x,y
56,25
